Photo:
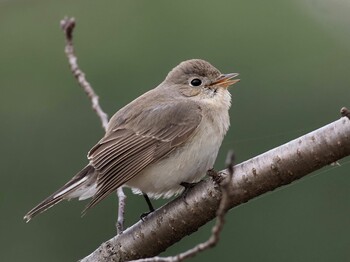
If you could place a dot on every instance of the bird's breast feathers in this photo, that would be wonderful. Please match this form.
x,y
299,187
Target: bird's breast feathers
x,y
189,162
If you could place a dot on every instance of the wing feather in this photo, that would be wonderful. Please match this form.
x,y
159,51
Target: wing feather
x,y
130,167
106,158
139,140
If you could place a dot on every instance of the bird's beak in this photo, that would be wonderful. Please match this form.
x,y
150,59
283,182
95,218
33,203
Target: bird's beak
x,y
225,80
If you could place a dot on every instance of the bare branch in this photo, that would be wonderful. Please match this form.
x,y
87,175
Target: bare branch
x,y
68,25
273,169
121,210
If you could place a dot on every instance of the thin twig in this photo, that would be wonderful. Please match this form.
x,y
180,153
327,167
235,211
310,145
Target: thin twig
x,y
68,25
213,240
121,210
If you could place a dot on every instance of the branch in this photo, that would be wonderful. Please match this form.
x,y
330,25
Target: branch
x,y
273,169
225,187
68,25
121,210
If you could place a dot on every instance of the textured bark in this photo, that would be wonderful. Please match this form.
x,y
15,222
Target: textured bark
x,y
266,172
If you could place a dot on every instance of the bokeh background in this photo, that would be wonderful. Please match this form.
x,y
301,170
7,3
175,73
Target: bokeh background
x,y
293,58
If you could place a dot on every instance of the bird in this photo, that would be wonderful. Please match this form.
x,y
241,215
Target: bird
x,y
165,139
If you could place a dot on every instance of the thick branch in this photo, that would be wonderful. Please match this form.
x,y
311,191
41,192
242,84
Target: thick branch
x,y
266,172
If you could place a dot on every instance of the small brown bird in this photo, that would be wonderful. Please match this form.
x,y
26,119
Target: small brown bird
x,y
161,141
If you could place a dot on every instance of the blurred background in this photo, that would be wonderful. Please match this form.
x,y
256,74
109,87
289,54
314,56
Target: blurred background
x,y
293,58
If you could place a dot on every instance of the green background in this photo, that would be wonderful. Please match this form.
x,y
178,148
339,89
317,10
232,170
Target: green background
x,y
293,58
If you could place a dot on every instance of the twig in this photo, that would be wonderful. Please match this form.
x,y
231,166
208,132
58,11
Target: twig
x,y
68,25
121,210
225,187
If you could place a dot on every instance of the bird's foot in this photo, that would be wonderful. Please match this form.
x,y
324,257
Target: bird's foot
x,y
217,178
187,187
144,215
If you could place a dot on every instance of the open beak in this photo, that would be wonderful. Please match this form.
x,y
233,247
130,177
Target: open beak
x,y
225,80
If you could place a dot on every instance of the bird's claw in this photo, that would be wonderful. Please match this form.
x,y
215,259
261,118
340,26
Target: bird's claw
x,y
187,187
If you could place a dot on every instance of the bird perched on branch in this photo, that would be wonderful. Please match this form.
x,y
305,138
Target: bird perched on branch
x,y
162,141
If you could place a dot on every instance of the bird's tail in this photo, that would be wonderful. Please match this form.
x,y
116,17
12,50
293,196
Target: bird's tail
x,y
82,185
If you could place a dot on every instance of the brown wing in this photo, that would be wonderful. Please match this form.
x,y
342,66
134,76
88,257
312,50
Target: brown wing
x,y
141,139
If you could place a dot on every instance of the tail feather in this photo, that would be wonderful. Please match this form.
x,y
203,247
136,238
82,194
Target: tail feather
x,y
74,188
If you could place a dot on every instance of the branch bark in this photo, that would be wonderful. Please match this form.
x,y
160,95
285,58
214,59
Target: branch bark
x,y
273,169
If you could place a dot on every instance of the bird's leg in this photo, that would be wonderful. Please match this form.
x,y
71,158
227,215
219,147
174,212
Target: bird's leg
x,y
150,206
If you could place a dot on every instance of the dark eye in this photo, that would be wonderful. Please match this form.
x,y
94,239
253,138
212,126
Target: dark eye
x,y
196,82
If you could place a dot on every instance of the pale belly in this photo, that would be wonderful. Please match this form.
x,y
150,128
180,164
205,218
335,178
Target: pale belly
x,y
187,164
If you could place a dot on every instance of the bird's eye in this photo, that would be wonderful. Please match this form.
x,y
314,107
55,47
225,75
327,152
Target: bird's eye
x,y
196,82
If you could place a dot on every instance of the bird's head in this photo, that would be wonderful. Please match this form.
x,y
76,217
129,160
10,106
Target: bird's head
x,y
198,78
